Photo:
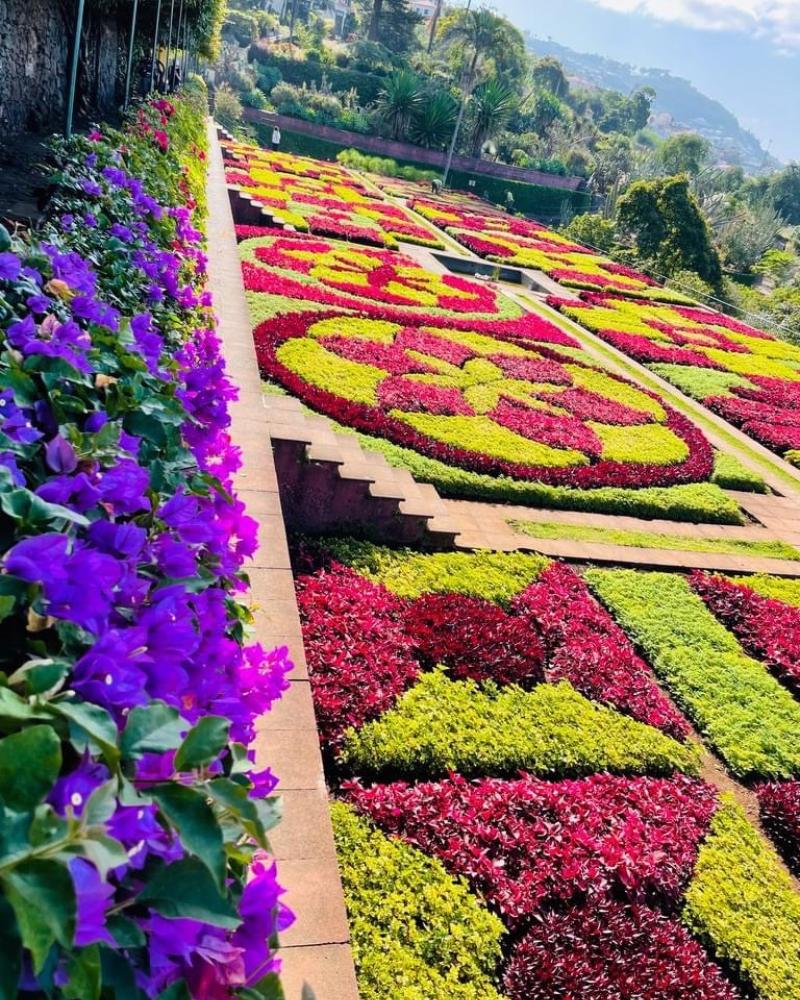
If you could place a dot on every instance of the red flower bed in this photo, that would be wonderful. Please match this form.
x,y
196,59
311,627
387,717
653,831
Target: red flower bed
x,y
780,812
641,349
585,646
751,410
552,429
612,952
527,843
360,659
475,638
417,397
768,629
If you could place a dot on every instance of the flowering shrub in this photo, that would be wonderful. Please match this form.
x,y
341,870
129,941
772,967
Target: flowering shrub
x,y
416,932
585,646
131,808
320,198
359,656
631,837
779,803
768,629
749,718
612,952
476,639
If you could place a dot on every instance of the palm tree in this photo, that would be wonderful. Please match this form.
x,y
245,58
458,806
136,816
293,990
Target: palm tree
x,y
375,20
399,102
432,124
484,34
492,106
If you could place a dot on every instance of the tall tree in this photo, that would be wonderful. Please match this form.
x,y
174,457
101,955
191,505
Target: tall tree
x,y
548,74
437,13
375,20
399,101
685,153
492,106
484,36
665,223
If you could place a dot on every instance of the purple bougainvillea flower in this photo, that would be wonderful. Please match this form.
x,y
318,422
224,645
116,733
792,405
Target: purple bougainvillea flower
x,y
124,540
110,673
174,558
60,455
15,422
10,266
73,789
9,461
93,898
263,915
78,492
124,486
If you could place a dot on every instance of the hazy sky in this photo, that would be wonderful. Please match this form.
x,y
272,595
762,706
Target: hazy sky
x,y
745,53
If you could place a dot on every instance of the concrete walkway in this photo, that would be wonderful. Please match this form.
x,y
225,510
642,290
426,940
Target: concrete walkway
x,y
315,950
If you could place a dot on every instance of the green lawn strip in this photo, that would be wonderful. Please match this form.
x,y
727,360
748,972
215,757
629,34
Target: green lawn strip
x,y
494,576
441,725
636,373
655,540
731,474
743,905
416,931
747,716
778,588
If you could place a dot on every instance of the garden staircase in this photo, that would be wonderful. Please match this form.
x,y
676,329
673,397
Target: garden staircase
x,y
329,482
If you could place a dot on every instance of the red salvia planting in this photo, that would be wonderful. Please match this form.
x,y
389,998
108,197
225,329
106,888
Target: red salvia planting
x,y
585,646
612,952
528,843
475,638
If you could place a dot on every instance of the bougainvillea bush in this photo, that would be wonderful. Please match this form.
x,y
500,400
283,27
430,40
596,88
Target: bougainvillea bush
x,y
131,809
515,240
499,730
324,199
745,375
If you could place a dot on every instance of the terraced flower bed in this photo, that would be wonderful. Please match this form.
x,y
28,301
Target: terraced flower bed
x,y
743,374
495,401
520,812
323,198
521,242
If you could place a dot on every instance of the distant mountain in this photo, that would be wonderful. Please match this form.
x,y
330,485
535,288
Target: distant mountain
x,y
678,106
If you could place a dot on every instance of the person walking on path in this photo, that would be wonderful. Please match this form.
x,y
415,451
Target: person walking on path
x,y
276,139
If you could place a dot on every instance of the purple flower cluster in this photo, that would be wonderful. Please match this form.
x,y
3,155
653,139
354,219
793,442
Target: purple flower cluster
x,y
123,556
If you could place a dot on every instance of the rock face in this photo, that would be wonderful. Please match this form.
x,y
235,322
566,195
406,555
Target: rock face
x,y
35,45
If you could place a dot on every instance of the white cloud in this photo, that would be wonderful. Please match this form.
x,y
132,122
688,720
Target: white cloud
x,y
778,20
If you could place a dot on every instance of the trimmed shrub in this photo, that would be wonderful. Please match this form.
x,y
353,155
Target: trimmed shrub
x,y
475,639
778,588
612,952
731,474
744,905
416,932
610,832
747,716
442,725
586,647
780,813
359,657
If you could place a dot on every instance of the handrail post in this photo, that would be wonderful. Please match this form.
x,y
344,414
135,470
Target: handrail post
x,y
73,75
130,54
155,48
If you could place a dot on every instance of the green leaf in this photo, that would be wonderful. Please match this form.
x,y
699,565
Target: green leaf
x,y
256,816
83,969
29,764
153,728
103,851
11,952
92,722
127,933
6,607
203,743
188,811
101,804
40,676
5,239
177,991
269,988
24,506
186,889
43,898
118,978
15,709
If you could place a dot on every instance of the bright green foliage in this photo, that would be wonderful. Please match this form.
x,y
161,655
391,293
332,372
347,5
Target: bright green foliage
x,y
743,903
494,576
442,725
417,932
750,719
731,474
699,382
695,502
776,587
655,539
646,443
